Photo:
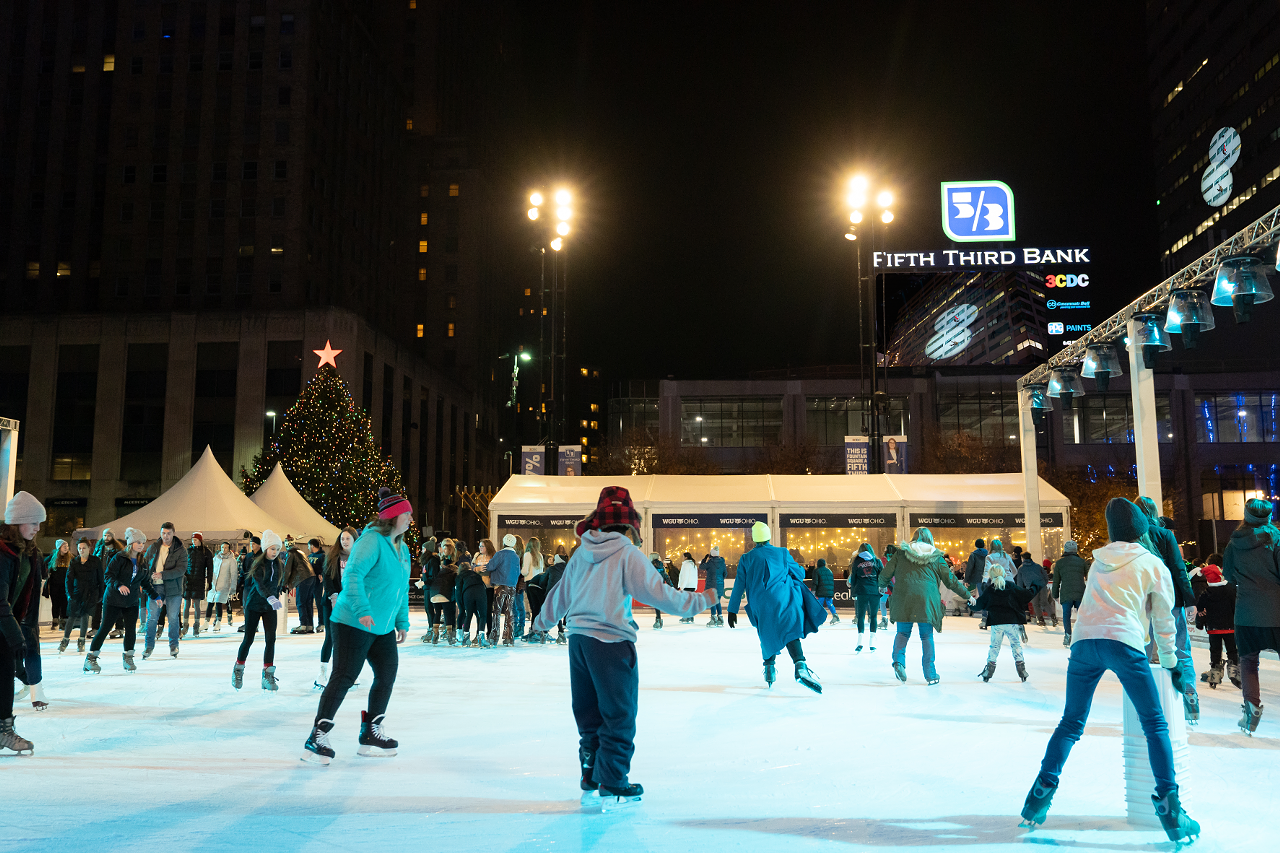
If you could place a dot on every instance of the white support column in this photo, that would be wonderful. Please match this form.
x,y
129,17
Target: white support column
x,y
8,457
1030,473
1146,441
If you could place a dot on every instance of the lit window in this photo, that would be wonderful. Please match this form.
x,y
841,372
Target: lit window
x,y
544,312
453,189
451,300
449,330
584,424
595,425
422,191
408,124
422,246
422,218
584,441
595,407
584,371
528,291
109,62
519,312
413,4
77,69
419,330
277,244
64,268
422,273
595,374
33,269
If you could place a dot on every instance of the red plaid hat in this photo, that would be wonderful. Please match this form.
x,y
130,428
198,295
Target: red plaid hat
x,y
613,507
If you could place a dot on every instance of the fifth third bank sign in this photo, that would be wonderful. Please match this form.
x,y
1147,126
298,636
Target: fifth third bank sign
x,y
977,211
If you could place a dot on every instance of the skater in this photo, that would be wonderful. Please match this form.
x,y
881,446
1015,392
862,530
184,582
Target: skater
x,y
916,569
308,591
370,618
165,558
1166,545
106,547
444,612
1069,575
781,607
1006,609
20,564
221,587
1032,574
688,580
994,556
715,571
83,588
824,589
1216,613
864,586
1251,562
530,564
976,566
263,587
430,563
603,670
503,570
125,580
885,593
199,572
335,564
537,592
55,587
469,592
656,561
1127,588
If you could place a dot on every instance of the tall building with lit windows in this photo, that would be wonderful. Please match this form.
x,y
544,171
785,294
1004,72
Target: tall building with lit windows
x,y
1214,75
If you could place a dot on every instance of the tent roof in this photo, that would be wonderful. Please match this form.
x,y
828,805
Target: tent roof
x,y
529,493
281,499
870,490
686,490
960,491
205,499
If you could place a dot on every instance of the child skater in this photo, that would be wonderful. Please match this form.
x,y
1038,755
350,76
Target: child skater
x,y
1006,609
603,674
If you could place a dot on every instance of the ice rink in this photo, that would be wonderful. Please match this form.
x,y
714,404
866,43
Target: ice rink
x,y
172,758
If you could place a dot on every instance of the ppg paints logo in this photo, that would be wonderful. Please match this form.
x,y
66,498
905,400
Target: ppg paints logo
x,y
1064,328
977,211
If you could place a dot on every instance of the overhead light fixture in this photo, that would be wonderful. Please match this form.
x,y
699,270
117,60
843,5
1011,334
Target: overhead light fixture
x,y
1101,362
533,213
1240,284
536,199
1151,337
1065,384
1040,403
1189,314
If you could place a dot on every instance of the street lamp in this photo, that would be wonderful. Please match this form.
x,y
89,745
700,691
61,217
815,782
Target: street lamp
x,y
561,203
272,415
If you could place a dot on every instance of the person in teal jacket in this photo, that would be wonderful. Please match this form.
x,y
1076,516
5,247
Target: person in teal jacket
x,y
369,619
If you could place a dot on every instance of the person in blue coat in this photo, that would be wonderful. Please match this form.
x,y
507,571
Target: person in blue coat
x,y
780,606
716,569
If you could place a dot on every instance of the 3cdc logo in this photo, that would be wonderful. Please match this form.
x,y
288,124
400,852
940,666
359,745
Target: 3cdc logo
x,y
1066,280
977,211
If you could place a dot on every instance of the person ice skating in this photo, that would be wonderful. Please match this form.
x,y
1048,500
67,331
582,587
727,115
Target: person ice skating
x,y
824,589
531,564
1195,575
603,667
470,593
263,587
221,586
199,571
370,619
20,563
1030,574
976,566
864,587
444,610
1006,609
503,570
916,569
1069,574
1216,614
656,561
83,588
308,591
55,585
1170,552
688,579
1251,562
715,569
104,549
126,580
1128,588
247,558
166,559
994,556
335,565
780,606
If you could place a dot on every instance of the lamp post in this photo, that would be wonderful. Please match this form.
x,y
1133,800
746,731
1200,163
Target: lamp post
x,y
560,204
272,415
857,199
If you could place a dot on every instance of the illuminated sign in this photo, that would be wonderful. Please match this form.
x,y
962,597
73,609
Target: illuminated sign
x,y
1080,280
1064,328
953,332
938,259
977,211
1053,304
708,520
1056,329
1047,519
1224,151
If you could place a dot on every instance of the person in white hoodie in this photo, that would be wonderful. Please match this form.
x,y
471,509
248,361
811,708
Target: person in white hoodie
x,y
1127,589
592,596
688,578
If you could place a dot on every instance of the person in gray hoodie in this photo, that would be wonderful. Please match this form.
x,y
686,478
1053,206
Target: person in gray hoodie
x,y
592,596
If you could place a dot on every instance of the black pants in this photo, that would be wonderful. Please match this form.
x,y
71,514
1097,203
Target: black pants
x,y
489,593
475,602
326,647
58,598
113,614
351,648
96,610
1216,642
269,633
443,613
604,680
7,670
868,606
793,649
78,614
537,595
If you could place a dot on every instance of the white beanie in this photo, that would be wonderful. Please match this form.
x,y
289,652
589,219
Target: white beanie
x,y
715,550
23,508
270,538
509,541
133,535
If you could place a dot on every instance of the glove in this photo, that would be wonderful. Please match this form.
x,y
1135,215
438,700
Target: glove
x,y
973,600
333,599
419,584
274,602
1175,673
733,620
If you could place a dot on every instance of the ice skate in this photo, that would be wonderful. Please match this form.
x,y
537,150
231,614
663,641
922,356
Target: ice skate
x,y
884,623
319,683
80,646
62,646
183,632
1191,707
932,679
562,638
115,634
38,699
587,760
1215,676
269,678
861,638
1233,673
615,799
237,676
1036,807
805,676
1066,639
10,739
1022,630
484,642
1177,824
91,663
1252,714
988,671
657,624
982,624
900,671
426,638
872,647
217,625
195,630
835,620
173,650
374,742
317,749
770,675
146,653
449,636
1022,669
129,665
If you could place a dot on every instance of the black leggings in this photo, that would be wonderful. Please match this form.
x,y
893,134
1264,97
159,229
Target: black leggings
x,y
443,610
868,606
326,647
1216,642
474,603
112,614
268,631
216,608
351,648
793,649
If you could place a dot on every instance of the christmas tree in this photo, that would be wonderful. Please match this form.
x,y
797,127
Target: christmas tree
x,y
326,448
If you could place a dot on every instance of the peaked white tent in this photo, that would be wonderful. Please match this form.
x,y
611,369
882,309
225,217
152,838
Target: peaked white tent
x,y
278,497
205,499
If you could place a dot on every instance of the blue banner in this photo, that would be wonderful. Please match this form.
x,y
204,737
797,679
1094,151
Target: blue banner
x,y
570,460
855,454
533,459
893,454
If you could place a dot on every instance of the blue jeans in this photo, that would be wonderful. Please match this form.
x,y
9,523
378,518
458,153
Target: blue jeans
x,y
1067,607
884,605
520,614
308,590
174,607
1089,660
717,609
827,604
32,671
1182,647
926,645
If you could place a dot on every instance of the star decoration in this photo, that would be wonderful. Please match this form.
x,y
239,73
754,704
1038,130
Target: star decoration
x,y
327,355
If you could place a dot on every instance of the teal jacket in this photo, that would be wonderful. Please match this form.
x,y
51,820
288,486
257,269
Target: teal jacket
x,y
375,583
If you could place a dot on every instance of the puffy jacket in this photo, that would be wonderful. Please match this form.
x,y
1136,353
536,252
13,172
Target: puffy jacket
x,y
1068,577
1007,606
1167,544
716,570
468,580
1253,566
1031,573
916,570
84,581
864,574
375,583
688,575
223,581
174,569
199,570
265,580
124,571
975,566
1125,582
824,582
19,583
444,584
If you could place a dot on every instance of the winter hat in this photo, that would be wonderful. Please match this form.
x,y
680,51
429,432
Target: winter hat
x,y
1256,512
198,535
509,541
23,508
431,545
1125,521
132,536
269,538
389,505
613,507
1212,574
822,564
654,556
1070,547
760,532
57,546
715,550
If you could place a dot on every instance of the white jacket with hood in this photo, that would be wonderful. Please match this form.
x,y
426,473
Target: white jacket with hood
x,y
1128,589
592,595
688,575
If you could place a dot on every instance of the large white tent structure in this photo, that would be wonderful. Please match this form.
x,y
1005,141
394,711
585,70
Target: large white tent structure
x,y
205,499
278,497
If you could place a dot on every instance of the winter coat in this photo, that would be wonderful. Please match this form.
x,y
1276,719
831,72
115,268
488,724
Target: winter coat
x,y
1167,544
716,570
1199,586
19,583
246,562
430,568
916,570
504,568
864,574
265,580
222,583
1004,560
123,570
84,583
331,586
554,573
975,566
444,584
1031,573
298,569
780,606
199,571
469,583
1254,568
375,583
1216,608
174,570
824,582
56,576
1068,577
657,567
1126,583
688,575
599,581
1007,606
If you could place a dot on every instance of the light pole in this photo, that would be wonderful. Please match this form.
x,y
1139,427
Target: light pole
x,y
272,415
859,190
562,211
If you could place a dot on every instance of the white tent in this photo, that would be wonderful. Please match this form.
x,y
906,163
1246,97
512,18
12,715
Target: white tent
x,y
278,497
205,499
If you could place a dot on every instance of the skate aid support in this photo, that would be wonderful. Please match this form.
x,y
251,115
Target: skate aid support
x,y
1139,781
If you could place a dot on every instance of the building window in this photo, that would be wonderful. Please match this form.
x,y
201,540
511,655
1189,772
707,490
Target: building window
x,y
528,291
219,172
286,25
422,246
449,329
277,206
73,412
453,189
135,65
159,173
282,170
419,330
126,213
829,419
582,370
286,59
584,441
422,191
109,62
129,174
422,218
451,300
595,407
1108,419
595,425
584,424
1225,488
255,60
249,171
284,96
422,273
1237,418
408,124
730,421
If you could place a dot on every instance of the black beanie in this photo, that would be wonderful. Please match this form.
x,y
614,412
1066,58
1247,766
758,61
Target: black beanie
x,y
1125,521
822,564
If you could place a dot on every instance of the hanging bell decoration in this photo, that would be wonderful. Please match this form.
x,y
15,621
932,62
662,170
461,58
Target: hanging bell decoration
x,y
1189,314
1240,284
1150,336
1101,362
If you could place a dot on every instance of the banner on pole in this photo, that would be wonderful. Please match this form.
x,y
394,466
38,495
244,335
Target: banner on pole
x,y
893,453
570,460
533,459
855,454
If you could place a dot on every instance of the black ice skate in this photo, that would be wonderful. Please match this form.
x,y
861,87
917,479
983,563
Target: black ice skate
x,y
269,678
770,674
129,665
806,677
80,646
1252,714
587,760
91,663
62,646
237,676
146,653
173,650
1022,669
657,624
1177,825
900,671
374,742
616,799
317,749
988,671
1036,808
1066,639
9,739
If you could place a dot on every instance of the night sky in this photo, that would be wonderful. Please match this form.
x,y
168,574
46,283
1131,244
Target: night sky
x,y
709,145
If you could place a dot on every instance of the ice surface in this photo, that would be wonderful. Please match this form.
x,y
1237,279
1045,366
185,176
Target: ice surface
x,y
172,758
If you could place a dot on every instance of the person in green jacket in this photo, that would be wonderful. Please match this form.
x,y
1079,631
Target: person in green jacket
x,y
369,619
916,570
1069,574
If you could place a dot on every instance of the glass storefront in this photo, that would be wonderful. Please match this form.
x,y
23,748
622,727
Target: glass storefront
x,y
835,537
550,530
954,533
676,534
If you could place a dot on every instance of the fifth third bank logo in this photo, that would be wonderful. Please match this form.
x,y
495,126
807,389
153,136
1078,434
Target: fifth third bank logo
x,y
977,211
